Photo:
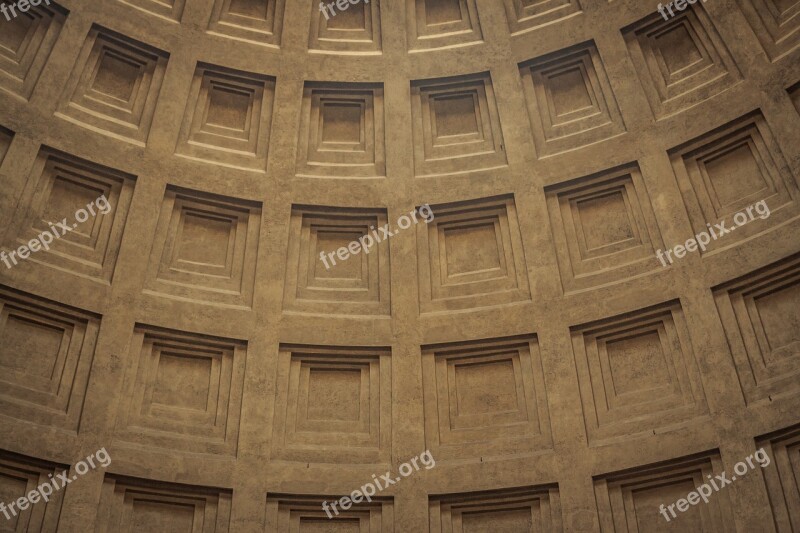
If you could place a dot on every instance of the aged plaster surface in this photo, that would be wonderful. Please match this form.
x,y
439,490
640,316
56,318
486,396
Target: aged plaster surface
x,y
527,336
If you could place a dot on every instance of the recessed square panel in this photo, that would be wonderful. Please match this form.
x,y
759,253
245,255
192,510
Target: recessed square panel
x,y
254,21
353,30
776,311
782,475
228,118
336,393
193,372
508,510
776,24
636,362
637,372
39,345
462,256
570,100
198,230
205,248
151,516
676,46
142,505
342,132
257,9
341,123
328,239
470,255
26,42
442,11
19,475
456,126
16,31
305,514
633,498
114,86
760,314
731,169
604,227
483,387
436,24
228,107
333,405
319,281
605,220
352,18
569,91
183,392
485,398
46,360
67,195
456,115
734,173
116,77
527,15
681,61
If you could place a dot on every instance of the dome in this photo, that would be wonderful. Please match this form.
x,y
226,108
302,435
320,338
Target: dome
x,y
399,265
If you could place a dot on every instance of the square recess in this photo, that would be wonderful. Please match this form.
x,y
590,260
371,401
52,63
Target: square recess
x,y
570,100
761,316
60,186
513,510
776,23
333,405
183,391
433,24
729,169
471,256
356,30
681,62
19,475
485,398
456,125
46,359
131,504
254,21
114,86
342,132
205,249
604,228
527,15
632,498
359,285
228,118
781,479
26,43
637,372
295,513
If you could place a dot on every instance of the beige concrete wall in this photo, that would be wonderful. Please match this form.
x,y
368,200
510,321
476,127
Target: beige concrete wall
x,y
528,336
